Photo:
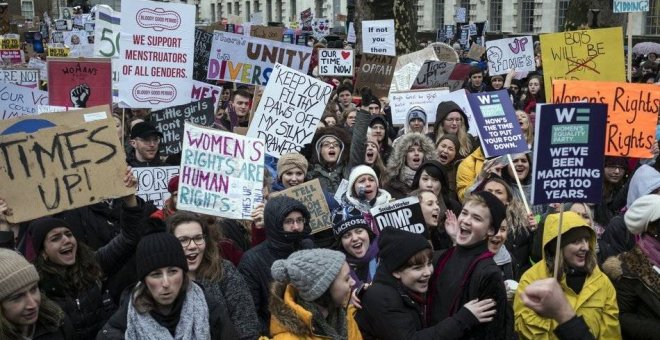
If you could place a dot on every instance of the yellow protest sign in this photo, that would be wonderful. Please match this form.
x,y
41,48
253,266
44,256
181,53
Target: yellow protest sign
x,y
583,55
60,51
10,43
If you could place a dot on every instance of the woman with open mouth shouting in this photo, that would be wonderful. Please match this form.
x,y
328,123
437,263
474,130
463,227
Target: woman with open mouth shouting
x,y
410,151
356,240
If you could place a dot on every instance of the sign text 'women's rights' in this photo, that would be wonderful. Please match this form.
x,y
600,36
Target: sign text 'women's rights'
x,y
289,111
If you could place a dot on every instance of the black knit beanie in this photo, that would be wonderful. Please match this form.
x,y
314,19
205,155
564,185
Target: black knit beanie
x,y
496,208
276,210
397,246
351,223
39,228
159,250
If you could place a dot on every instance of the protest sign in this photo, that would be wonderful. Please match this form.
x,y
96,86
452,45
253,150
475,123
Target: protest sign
x,y
60,161
18,101
221,173
170,121
289,111
257,18
157,48
351,36
476,51
82,82
51,108
336,62
435,74
306,18
418,57
267,32
498,127
583,55
249,60
320,28
201,90
311,195
26,77
106,42
152,183
41,66
203,41
11,43
11,56
630,6
450,31
568,153
404,214
79,43
376,72
460,15
510,53
465,36
378,37
631,116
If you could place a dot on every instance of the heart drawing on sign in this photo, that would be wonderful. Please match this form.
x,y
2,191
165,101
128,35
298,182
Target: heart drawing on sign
x,y
345,54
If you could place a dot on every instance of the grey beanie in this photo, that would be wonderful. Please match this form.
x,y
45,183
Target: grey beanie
x,y
311,271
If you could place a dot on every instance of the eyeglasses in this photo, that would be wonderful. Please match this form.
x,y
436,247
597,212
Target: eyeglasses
x,y
329,145
152,140
198,239
292,221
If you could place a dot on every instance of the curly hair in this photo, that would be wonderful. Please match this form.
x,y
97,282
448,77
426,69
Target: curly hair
x,y
84,273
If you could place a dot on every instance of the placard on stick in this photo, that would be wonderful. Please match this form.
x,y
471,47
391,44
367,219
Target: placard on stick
x,y
568,153
336,62
311,195
221,173
73,159
404,214
376,72
510,53
152,183
170,122
289,111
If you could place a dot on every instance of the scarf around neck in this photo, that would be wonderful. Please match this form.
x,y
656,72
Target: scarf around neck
x,y
334,326
370,255
650,246
193,320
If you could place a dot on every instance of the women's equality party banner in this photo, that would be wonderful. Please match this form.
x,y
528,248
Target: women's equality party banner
x,y
249,60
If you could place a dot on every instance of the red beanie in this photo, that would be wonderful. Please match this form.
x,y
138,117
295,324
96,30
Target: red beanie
x,y
173,184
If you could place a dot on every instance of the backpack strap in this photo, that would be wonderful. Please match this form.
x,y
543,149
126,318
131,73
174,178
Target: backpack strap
x,y
468,274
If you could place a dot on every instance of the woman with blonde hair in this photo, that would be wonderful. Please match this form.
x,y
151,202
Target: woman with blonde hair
x,y
450,118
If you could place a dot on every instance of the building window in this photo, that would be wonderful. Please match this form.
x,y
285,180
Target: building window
x,y
237,7
527,16
212,12
229,8
653,19
247,10
440,14
27,9
562,6
495,17
257,8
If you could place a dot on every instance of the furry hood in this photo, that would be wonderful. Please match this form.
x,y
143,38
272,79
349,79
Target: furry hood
x,y
339,133
400,148
286,315
633,264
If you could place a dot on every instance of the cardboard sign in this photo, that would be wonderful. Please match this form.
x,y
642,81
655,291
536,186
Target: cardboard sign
x,y
476,51
249,60
630,6
376,72
156,61
419,57
311,195
79,82
73,159
568,153
335,62
583,55
221,173
152,183
510,53
631,116
203,41
434,74
26,77
498,127
404,214
289,111
267,32
170,122
378,37
203,90
18,101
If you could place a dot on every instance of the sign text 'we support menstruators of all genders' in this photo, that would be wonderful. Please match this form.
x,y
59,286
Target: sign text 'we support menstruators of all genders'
x,y
152,183
404,214
248,60
630,6
509,54
311,195
60,161
336,62
376,72
631,116
26,77
583,55
568,153
18,101
170,122
157,54
221,173
498,127
378,37
289,111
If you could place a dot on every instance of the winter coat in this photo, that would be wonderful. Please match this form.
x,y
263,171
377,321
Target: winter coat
x,y
289,320
52,324
596,302
397,161
232,290
519,244
389,312
638,294
468,170
132,160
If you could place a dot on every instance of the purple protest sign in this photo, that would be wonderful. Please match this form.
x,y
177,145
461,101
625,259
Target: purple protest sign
x,y
497,124
569,152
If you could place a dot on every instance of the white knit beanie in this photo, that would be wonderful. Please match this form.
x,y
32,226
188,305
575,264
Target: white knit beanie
x,y
311,271
643,211
359,171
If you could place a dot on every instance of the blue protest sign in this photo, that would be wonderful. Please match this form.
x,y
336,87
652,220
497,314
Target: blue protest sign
x,y
497,124
569,152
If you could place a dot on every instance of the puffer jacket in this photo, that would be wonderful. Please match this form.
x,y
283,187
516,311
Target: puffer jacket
x,y
468,170
290,321
596,303
638,294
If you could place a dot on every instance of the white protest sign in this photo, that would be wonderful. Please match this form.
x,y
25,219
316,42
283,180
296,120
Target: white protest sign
x,y
250,60
52,108
461,13
257,18
630,6
41,65
202,90
152,183
289,111
18,101
351,37
78,43
106,42
25,77
156,61
231,191
510,53
378,37
335,62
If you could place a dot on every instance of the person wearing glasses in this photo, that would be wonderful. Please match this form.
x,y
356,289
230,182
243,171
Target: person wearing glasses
x,y
145,139
286,221
217,276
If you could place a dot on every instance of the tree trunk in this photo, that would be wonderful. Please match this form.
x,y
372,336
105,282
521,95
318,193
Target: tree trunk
x,y
579,16
405,20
